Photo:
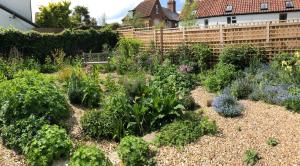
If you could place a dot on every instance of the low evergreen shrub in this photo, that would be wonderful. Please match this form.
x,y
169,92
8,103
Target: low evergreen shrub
x,y
17,135
31,93
227,106
49,144
182,132
241,88
89,156
135,151
220,77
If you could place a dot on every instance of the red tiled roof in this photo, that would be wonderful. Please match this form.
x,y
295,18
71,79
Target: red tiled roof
x,y
144,9
210,8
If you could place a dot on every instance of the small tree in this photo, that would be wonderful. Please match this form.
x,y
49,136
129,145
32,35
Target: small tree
x,y
81,16
135,20
55,15
189,13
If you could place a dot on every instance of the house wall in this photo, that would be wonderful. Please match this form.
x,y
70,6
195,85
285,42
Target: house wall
x,y
156,19
22,7
248,18
7,20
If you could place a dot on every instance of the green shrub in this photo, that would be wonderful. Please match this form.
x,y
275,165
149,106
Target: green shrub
x,y
49,144
196,56
272,141
17,135
128,47
5,69
72,42
84,90
134,151
134,84
90,156
31,94
218,78
241,56
180,133
98,124
292,104
250,157
241,88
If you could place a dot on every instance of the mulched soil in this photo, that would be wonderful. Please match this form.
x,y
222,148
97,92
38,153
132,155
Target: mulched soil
x,y
259,122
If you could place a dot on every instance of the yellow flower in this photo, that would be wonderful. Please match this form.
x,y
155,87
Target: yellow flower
x,y
284,63
289,68
297,54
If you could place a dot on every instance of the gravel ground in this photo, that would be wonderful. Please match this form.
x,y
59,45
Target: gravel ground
x,y
259,122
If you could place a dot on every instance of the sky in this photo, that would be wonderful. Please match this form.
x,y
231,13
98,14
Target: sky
x,y
114,10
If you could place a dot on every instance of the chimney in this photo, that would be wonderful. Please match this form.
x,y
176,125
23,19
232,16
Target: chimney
x,y
172,5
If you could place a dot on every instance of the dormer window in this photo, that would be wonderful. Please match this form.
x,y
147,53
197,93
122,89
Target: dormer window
x,y
289,4
130,14
264,6
157,11
229,8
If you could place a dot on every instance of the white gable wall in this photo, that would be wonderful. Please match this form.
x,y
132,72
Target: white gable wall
x,y
22,7
248,18
8,21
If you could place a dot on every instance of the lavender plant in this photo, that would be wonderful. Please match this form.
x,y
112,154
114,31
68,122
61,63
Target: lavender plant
x,y
227,106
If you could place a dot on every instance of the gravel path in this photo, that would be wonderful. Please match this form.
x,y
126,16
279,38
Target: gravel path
x,y
259,122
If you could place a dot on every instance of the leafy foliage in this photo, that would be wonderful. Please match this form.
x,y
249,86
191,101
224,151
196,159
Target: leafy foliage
x,y
135,151
16,136
241,55
196,56
98,124
272,141
182,132
227,106
92,156
55,15
31,94
49,144
242,88
250,157
218,78
84,90
40,45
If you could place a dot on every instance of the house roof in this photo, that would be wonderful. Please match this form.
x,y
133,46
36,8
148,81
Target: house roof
x,y
211,8
17,15
171,15
144,9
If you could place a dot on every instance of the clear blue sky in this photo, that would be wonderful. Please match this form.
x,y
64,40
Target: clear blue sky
x,y
114,10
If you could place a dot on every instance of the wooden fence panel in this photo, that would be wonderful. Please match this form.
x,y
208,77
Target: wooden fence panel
x,y
274,37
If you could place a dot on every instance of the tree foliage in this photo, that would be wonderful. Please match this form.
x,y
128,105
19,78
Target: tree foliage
x,y
188,14
55,15
81,17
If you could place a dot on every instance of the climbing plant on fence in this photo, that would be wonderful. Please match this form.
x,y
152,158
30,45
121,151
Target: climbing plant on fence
x,y
40,45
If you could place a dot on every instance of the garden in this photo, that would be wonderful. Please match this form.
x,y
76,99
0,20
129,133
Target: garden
x,y
142,108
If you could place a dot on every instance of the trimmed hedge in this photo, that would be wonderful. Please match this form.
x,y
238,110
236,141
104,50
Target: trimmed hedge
x,y
39,45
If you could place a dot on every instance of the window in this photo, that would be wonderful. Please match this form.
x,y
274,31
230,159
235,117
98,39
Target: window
x,y
157,11
289,4
229,8
264,6
231,20
282,16
130,14
206,22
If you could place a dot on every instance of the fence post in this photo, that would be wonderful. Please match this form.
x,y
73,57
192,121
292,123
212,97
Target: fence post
x,y
221,35
184,36
161,43
268,39
154,37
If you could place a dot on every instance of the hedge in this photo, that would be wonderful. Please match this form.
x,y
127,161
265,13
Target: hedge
x,y
39,45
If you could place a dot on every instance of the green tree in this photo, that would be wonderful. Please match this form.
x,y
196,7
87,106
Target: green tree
x,y
134,19
189,13
55,15
81,16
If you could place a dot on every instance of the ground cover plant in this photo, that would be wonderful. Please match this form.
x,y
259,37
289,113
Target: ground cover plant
x,y
182,132
250,157
227,106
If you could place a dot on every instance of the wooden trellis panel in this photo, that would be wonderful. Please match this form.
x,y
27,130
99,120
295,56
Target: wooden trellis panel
x,y
274,37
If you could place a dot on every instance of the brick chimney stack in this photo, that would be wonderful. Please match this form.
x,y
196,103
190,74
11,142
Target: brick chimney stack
x,y
172,5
